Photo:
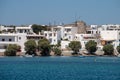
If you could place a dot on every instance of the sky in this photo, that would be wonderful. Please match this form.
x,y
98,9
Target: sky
x,y
24,12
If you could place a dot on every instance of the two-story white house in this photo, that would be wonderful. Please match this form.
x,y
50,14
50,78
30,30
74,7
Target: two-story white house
x,y
54,35
110,34
19,37
27,29
69,33
12,38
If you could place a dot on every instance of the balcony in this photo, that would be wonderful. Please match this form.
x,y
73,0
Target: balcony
x,y
8,42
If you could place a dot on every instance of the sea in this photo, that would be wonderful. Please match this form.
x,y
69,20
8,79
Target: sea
x,y
60,68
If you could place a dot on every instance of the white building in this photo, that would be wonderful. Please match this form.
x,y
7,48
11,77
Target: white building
x,y
27,30
69,33
111,27
1,28
83,38
6,28
12,38
110,37
94,29
106,34
110,34
19,37
60,33
64,44
54,35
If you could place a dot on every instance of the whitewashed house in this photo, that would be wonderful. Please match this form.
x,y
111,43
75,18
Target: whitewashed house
x,y
110,34
7,29
54,35
19,37
27,29
12,38
84,38
110,37
69,33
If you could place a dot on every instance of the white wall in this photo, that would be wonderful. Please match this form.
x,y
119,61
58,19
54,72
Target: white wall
x,y
21,40
64,44
27,29
7,38
109,35
70,34
113,36
54,37
80,37
18,38
1,28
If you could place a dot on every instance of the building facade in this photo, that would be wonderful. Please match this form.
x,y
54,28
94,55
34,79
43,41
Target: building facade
x,y
19,37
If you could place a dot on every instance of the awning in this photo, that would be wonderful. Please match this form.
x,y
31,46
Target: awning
x,y
107,39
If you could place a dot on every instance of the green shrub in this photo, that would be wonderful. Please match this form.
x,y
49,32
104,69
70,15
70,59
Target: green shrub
x,y
30,47
75,46
118,49
44,47
57,51
12,50
108,49
91,46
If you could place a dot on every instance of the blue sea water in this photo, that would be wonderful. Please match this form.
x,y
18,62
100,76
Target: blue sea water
x,y
60,68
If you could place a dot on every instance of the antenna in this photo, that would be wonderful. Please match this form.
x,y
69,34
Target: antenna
x,y
75,17
54,23
49,24
79,17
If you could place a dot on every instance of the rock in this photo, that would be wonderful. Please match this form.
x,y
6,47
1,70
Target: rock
x,y
99,52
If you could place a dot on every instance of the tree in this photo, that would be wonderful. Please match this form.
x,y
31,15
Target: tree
x,y
30,47
57,51
12,50
118,49
108,49
38,28
44,47
91,46
75,46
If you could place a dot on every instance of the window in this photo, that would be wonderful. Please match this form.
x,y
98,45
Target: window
x,y
54,34
45,34
21,31
50,40
19,38
66,46
68,30
75,37
10,39
69,37
89,32
92,32
96,32
84,42
50,34
5,46
25,31
3,39
65,34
